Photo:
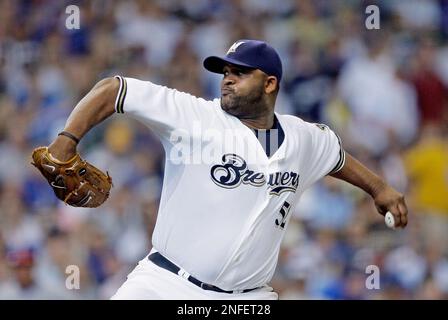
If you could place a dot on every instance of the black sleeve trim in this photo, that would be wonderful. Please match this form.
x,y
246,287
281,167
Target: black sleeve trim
x,y
341,161
119,102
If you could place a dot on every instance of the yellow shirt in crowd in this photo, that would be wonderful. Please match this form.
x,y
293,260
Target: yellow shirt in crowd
x,y
427,167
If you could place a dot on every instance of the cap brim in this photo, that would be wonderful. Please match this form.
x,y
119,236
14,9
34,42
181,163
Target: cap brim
x,y
216,64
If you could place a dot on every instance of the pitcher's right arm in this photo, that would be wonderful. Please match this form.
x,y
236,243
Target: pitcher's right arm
x,y
95,107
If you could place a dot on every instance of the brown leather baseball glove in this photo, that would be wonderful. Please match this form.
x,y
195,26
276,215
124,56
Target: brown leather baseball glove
x,y
76,182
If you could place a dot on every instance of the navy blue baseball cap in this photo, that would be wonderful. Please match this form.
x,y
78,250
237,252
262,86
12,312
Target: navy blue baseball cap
x,y
253,54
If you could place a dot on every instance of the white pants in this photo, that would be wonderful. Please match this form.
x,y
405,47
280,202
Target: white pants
x,y
150,282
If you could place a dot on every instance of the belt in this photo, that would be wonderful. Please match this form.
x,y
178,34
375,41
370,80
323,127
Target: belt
x,y
166,264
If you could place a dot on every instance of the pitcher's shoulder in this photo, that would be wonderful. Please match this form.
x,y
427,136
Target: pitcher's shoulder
x,y
293,121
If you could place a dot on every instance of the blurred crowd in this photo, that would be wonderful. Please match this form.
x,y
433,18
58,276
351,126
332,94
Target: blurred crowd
x,y
385,92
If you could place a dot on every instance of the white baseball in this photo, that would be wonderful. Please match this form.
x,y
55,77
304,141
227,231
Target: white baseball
x,y
389,220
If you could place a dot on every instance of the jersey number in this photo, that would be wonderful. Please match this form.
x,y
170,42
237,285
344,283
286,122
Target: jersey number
x,y
284,211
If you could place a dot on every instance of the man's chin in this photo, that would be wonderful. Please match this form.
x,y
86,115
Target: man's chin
x,y
226,109
226,105
230,106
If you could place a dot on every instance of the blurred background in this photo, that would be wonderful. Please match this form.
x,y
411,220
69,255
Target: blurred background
x,y
385,92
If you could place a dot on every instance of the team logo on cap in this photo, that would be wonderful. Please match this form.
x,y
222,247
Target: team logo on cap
x,y
234,46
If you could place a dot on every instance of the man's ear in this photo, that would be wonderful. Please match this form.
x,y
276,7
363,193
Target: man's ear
x,y
270,84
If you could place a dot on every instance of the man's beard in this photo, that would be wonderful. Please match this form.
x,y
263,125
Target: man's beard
x,y
248,106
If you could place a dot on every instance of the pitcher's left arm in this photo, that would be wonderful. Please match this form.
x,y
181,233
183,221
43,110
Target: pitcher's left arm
x,y
386,198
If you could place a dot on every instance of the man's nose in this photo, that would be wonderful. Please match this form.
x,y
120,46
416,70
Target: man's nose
x,y
228,80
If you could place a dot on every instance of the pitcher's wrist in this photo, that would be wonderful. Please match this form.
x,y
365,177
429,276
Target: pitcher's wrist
x,y
376,187
63,148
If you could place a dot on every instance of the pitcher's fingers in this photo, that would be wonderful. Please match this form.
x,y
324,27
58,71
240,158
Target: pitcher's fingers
x,y
397,216
403,213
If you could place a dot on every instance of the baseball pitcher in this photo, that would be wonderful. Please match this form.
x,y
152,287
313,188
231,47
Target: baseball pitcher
x,y
234,169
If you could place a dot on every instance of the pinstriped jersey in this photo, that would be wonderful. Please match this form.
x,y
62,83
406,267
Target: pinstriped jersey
x,y
225,203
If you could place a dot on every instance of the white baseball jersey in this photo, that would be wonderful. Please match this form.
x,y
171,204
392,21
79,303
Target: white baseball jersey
x,y
225,204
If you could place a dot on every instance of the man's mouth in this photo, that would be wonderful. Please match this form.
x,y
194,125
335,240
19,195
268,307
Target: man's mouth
x,y
226,91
